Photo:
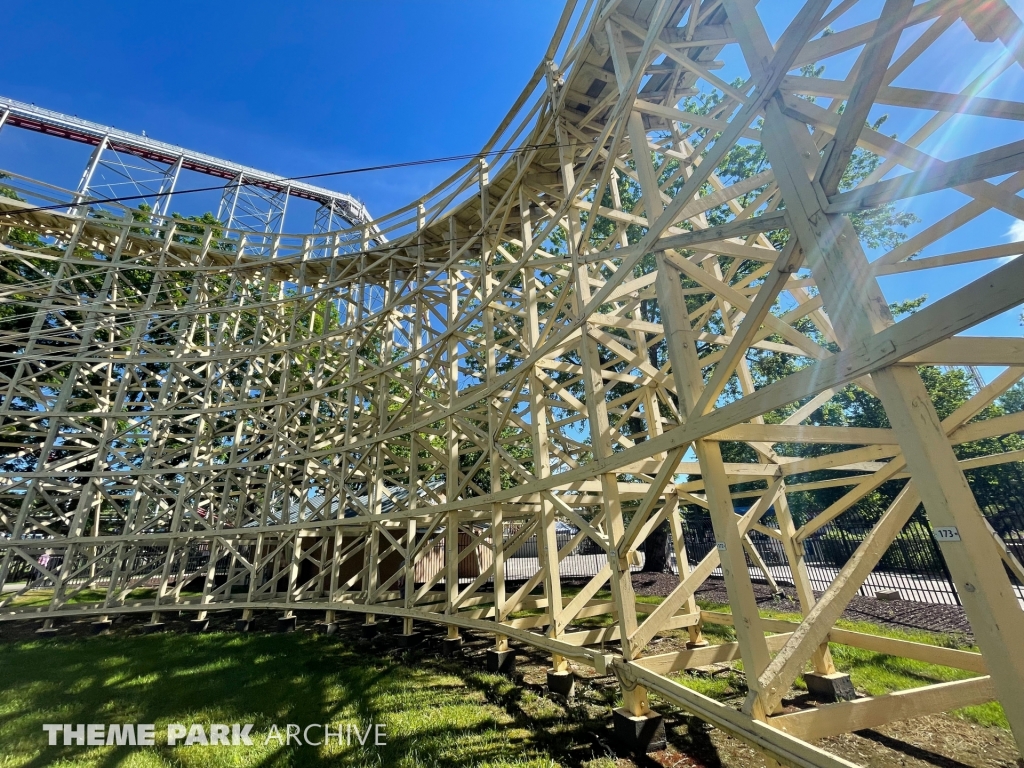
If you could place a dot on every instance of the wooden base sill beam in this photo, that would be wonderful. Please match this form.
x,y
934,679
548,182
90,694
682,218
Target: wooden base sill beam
x,y
589,657
664,663
609,634
770,742
891,646
846,716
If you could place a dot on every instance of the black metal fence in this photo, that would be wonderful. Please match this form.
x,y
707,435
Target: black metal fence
x,y
20,570
584,560
913,565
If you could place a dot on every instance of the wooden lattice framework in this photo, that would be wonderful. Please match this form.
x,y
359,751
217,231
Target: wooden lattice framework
x,y
173,394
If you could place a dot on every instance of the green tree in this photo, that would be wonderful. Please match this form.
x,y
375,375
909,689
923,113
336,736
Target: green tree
x,y
1013,400
882,227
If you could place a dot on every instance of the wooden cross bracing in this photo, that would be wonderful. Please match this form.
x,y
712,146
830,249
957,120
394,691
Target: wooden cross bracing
x,y
563,334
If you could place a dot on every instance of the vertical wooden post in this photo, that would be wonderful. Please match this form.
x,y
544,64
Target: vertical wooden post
x,y
859,309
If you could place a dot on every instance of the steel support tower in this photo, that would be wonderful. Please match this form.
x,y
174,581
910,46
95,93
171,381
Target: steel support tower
x,y
123,164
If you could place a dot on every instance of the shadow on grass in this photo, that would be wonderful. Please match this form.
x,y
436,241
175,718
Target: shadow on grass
x,y
431,716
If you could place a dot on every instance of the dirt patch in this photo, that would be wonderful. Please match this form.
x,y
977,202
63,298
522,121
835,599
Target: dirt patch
x,y
935,741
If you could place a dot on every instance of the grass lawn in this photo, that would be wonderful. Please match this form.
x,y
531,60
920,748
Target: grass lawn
x,y
434,713
41,597
871,673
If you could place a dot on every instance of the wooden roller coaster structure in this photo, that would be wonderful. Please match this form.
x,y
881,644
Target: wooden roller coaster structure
x,y
345,422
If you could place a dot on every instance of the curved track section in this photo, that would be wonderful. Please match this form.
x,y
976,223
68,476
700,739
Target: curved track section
x,y
575,336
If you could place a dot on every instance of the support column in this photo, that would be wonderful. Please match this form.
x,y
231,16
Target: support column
x,y
453,642
795,554
859,309
689,384
560,677
87,174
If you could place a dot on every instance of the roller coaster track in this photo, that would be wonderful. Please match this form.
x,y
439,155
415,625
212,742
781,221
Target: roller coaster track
x,y
375,419
249,194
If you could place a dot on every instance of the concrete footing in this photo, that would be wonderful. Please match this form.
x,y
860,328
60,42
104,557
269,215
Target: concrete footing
x,y
243,625
702,644
502,662
46,631
834,687
369,631
101,627
639,734
562,683
328,629
198,625
410,641
287,623
451,646
154,627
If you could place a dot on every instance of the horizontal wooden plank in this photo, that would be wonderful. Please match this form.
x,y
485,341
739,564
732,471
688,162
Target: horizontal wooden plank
x,y
846,716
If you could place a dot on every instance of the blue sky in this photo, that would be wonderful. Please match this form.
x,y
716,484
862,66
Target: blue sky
x,y
292,88
307,87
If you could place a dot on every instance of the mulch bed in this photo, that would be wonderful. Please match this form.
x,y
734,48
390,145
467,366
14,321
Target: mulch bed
x,y
899,614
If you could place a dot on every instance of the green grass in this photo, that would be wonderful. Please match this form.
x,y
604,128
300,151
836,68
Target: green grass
x,y
42,597
872,673
434,714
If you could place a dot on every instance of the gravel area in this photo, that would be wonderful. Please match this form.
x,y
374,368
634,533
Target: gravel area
x,y
900,614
